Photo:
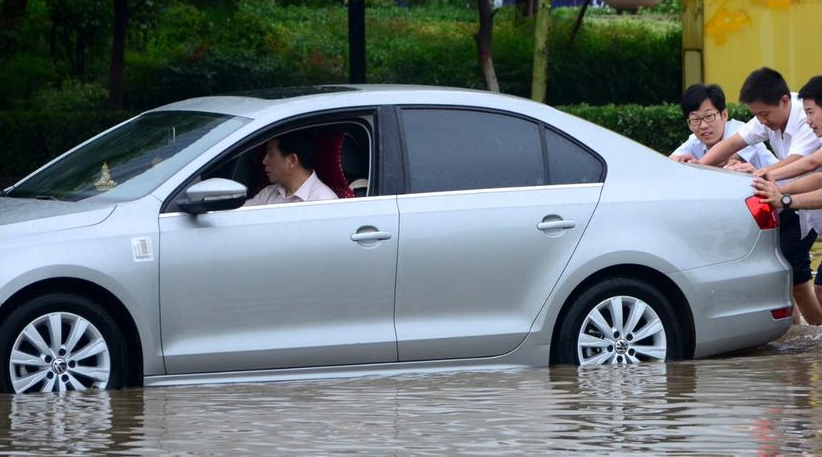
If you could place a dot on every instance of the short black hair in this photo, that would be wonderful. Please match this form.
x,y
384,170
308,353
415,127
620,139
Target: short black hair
x,y
697,93
812,90
301,144
765,85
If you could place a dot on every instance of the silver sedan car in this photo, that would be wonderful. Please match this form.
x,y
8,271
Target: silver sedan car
x,y
473,231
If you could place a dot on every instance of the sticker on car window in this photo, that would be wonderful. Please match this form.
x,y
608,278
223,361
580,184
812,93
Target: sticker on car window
x,y
142,249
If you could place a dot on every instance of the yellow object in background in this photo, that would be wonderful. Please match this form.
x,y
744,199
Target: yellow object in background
x,y
739,36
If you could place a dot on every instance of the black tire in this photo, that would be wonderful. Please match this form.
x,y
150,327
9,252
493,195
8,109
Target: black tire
x,y
565,347
33,309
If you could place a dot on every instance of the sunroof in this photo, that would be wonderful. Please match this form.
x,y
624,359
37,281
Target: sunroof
x,y
276,93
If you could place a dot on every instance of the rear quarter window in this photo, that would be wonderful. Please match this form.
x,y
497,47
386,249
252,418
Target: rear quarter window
x,y
570,163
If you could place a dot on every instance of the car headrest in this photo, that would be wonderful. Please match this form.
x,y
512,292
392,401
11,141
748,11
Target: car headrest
x,y
328,164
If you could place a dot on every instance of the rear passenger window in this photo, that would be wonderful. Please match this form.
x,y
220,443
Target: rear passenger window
x,y
452,149
569,163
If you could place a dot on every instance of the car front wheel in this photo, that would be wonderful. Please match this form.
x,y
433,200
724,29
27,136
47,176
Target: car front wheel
x,y
619,321
61,342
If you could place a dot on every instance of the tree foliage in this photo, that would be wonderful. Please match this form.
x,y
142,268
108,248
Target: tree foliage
x,y
177,49
79,29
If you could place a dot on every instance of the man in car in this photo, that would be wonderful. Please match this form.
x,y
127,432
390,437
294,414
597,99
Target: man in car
x,y
706,115
288,162
779,119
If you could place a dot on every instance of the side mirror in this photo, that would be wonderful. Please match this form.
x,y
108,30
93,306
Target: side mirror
x,y
213,194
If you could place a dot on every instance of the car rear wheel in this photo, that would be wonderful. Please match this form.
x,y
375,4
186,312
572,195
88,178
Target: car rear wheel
x,y
61,342
619,321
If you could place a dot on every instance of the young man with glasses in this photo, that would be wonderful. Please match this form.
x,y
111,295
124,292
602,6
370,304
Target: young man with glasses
x,y
780,119
707,117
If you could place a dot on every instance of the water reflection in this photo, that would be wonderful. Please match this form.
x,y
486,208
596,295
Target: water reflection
x,y
766,402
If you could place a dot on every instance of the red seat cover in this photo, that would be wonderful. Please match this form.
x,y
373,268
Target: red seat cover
x,y
328,165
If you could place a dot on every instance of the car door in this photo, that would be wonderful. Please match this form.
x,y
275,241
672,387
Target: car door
x,y
279,286
484,239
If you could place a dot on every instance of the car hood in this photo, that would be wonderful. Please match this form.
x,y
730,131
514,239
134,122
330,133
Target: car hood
x,y
33,216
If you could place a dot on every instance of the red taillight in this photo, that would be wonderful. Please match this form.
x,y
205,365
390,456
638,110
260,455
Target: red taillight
x,y
782,313
763,213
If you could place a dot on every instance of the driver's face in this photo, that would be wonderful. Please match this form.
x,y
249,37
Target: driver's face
x,y
276,164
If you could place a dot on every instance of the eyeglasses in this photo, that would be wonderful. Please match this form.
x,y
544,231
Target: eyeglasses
x,y
708,118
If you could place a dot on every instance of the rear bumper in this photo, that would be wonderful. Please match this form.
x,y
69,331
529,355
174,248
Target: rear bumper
x,y
732,302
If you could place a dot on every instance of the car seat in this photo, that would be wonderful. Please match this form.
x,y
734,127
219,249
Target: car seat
x,y
355,166
328,163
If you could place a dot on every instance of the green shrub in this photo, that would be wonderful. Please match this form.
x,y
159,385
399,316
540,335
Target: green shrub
x,y
73,96
259,45
616,61
31,138
22,75
669,7
660,127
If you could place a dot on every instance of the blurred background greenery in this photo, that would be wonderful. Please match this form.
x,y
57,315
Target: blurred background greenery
x,y
623,71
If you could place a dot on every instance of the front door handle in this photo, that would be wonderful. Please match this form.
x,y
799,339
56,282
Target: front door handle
x,y
553,225
370,236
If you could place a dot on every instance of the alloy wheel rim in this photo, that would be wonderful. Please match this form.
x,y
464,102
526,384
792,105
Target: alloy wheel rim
x,y
57,352
621,330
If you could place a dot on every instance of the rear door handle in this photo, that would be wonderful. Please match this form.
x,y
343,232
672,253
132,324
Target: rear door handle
x,y
370,236
553,225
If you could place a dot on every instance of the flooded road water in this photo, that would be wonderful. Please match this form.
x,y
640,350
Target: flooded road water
x,y
764,402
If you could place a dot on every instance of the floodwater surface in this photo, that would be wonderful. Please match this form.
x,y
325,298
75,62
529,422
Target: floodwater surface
x,y
765,402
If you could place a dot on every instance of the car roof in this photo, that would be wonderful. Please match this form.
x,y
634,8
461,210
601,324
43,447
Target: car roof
x,y
256,103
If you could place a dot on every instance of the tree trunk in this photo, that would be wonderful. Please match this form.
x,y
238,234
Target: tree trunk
x,y
10,14
356,41
524,9
53,41
118,55
484,39
578,23
65,36
539,82
80,53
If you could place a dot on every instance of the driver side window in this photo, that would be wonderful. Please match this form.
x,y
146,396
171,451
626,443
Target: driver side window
x,y
338,153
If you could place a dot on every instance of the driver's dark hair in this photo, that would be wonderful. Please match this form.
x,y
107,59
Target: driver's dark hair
x,y
697,93
765,85
301,143
812,90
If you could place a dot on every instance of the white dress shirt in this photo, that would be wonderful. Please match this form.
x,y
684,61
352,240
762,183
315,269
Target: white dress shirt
x,y
757,154
797,138
312,189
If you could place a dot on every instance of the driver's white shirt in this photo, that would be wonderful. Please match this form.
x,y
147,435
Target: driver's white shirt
x,y
312,189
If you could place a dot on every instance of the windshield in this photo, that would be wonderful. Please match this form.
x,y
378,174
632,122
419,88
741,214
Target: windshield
x,y
132,160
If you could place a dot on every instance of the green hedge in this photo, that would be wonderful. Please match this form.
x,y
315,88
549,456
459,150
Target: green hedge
x,y
28,139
